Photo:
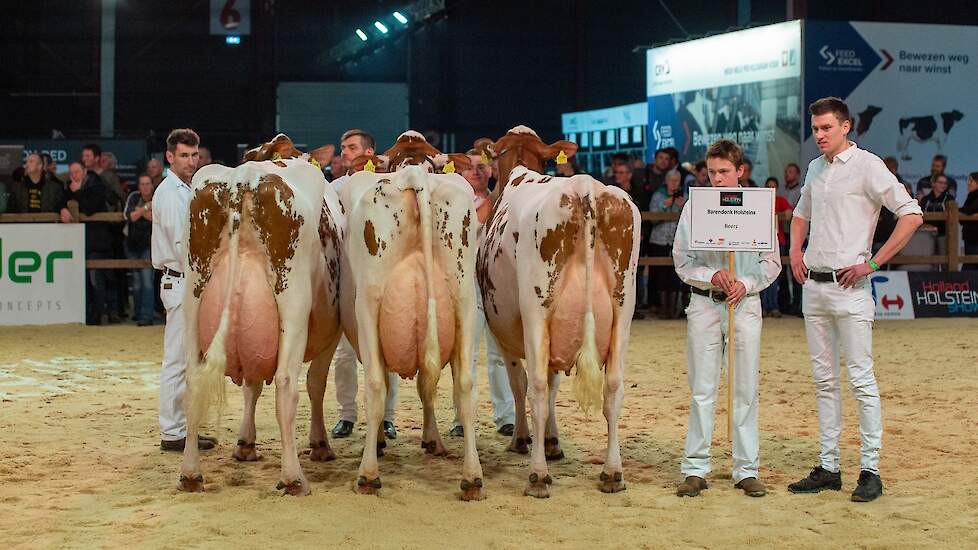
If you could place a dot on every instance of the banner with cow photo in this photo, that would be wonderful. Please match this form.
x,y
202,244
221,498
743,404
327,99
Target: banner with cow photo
x,y
906,87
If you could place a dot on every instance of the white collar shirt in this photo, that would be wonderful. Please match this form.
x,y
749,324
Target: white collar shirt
x,y
841,200
171,205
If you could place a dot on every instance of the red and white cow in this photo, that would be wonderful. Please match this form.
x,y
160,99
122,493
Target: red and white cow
x,y
410,306
557,272
263,251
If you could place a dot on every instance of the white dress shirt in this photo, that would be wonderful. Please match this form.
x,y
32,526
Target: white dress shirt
x,y
171,204
757,270
841,200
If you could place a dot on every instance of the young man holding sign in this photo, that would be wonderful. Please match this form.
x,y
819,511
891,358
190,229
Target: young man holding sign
x,y
844,189
715,288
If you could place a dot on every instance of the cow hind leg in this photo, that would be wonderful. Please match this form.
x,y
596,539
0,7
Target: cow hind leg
x,y
368,475
316,387
245,450
430,438
520,443
537,367
472,483
292,482
612,477
551,443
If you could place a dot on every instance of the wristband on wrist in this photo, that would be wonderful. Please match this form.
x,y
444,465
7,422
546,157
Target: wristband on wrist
x,y
874,265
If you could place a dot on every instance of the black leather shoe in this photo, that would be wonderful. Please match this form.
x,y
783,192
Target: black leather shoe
x,y
457,431
506,429
818,480
390,432
868,488
342,429
204,443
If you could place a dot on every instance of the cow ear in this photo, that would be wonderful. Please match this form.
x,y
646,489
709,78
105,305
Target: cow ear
x,y
562,150
461,161
369,163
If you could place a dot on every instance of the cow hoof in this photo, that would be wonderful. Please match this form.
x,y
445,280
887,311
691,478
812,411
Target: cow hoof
x,y
537,487
434,447
614,483
245,452
368,487
472,490
296,488
321,452
552,449
520,445
191,484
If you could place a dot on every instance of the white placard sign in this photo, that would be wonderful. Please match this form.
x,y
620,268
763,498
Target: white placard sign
x,y
42,273
736,219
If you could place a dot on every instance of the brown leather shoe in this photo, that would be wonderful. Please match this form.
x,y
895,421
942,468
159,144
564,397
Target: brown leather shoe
x,y
204,443
752,487
691,486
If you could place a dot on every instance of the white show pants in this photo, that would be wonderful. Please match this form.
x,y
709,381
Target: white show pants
x,y
345,378
834,316
503,411
705,354
173,375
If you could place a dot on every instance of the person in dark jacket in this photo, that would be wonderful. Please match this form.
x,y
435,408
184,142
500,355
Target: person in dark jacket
x,y
969,229
90,194
139,228
936,201
36,191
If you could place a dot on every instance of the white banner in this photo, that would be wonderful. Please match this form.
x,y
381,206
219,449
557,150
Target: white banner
x,y
42,273
891,290
732,219
763,53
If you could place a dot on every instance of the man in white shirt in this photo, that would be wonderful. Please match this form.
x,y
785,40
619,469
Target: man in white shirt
x,y
714,289
503,406
354,143
171,203
844,189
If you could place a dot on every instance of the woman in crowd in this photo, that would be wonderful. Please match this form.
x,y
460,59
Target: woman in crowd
x,y
668,198
139,227
769,296
969,229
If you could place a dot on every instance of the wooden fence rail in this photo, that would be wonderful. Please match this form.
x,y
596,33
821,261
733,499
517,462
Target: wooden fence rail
x,y
952,260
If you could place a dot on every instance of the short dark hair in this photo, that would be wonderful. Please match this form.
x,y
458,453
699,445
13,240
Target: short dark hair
x,y
620,157
748,162
185,136
831,105
663,150
728,150
790,164
941,158
76,162
700,165
368,140
769,178
672,152
94,148
973,176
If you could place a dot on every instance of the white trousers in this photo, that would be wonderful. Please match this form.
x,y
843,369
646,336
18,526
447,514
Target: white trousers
x,y
173,375
707,329
503,411
834,316
345,379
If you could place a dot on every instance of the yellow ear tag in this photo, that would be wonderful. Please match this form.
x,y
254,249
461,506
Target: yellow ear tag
x,y
485,158
276,156
449,167
369,167
561,158
314,162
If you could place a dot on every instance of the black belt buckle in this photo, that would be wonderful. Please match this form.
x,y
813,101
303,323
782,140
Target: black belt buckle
x,y
823,276
715,295
171,272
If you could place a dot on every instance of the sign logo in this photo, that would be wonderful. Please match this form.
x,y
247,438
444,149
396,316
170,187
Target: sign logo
x,y
662,69
732,198
23,262
840,57
887,302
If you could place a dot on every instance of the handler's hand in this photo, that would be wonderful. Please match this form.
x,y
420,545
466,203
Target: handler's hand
x,y
65,216
798,267
736,293
722,279
849,276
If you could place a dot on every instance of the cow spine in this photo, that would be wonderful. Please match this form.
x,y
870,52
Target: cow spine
x,y
588,384
432,352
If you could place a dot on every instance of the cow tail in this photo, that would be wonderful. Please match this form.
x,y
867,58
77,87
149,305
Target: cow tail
x,y
431,368
588,384
205,382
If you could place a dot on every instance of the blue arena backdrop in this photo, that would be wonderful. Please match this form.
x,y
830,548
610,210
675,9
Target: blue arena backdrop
x,y
910,89
744,85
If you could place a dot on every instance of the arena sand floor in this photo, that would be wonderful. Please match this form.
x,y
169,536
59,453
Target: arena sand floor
x,y
80,466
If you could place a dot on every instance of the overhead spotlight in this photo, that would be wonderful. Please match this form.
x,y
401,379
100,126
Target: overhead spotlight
x,y
381,27
400,18
362,35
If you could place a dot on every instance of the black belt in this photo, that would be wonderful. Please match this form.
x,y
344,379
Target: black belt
x,y
823,276
718,296
171,273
